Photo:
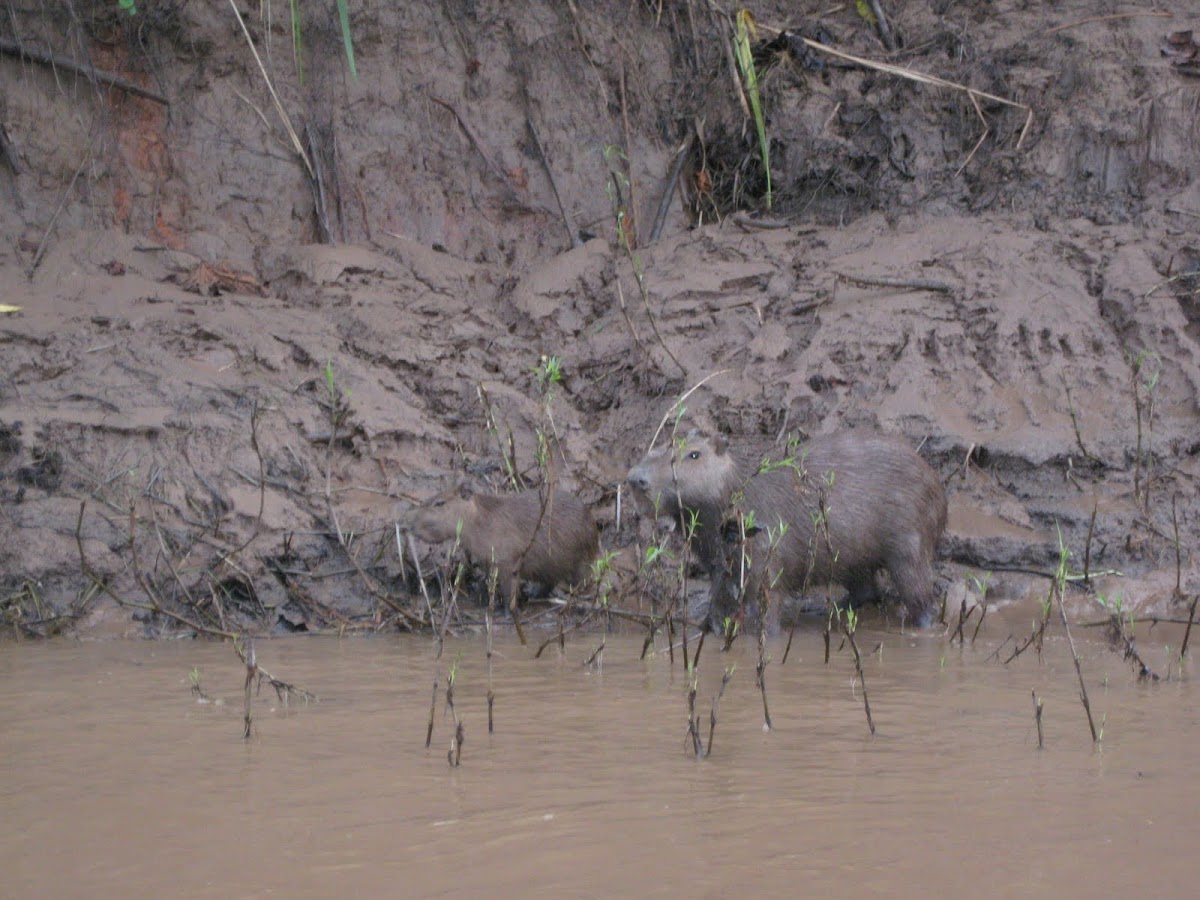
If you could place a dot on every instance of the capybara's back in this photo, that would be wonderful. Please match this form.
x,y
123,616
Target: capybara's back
x,y
853,503
548,542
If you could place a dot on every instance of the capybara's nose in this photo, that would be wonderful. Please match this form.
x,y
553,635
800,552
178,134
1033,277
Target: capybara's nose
x,y
639,478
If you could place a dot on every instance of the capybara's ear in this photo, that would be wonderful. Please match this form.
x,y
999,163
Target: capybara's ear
x,y
719,444
465,490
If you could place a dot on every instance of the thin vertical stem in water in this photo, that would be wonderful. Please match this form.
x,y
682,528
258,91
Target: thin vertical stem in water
x,y
454,754
251,671
597,657
685,563
788,648
487,627
849,632
1188,631
1037,717
761,674
1083,694
712,716
693,732
432,708
964,616
982,615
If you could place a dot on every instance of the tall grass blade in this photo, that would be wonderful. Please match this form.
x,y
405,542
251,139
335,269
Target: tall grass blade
x,y
344,18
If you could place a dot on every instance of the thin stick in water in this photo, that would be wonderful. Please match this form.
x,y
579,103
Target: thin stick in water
x,y
432,707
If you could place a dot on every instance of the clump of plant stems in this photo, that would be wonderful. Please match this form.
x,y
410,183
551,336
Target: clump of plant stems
x,y
980,585
255,676
1120,635
454,754
694,740
745,32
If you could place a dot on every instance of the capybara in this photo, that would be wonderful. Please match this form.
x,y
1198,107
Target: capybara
x,y
499,530
853,503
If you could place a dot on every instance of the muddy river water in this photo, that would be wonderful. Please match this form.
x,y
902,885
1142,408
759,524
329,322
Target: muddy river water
x,y
118,782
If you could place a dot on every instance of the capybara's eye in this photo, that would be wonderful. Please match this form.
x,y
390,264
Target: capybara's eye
x,y
695,454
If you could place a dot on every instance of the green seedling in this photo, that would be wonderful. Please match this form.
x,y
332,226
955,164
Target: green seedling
x,y
746,31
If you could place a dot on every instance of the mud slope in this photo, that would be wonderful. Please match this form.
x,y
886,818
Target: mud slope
x,y
240,411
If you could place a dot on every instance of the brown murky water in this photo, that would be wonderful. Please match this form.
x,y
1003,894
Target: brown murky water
x,y
117,782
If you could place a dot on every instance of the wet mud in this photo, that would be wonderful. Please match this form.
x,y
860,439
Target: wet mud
x,y
210,421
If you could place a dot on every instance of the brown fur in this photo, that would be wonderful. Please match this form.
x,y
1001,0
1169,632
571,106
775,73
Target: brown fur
x,y
886,509
500,528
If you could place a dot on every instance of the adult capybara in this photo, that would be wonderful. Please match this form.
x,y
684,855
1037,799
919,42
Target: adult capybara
x,y
853,503
522,537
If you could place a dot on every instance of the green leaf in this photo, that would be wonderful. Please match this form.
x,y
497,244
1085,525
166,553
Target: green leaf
x,y
344,18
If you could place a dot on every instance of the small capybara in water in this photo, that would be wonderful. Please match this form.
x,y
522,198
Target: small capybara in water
x,y
500,530
883,506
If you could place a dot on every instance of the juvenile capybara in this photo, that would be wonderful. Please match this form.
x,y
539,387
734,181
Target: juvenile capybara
x,y
499,530
853,503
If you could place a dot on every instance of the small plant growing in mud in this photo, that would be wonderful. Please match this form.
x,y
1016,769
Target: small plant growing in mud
x,y
506,450
603,574
548,374
656,571
338,399
618,188
337,408
745,58
1146,369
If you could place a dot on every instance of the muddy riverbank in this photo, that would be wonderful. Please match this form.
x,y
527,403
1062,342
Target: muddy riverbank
x,y
210,421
